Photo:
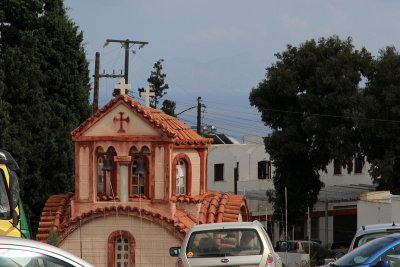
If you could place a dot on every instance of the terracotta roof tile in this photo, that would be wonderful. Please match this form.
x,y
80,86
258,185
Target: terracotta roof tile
x,y
169,125
214,208
218,208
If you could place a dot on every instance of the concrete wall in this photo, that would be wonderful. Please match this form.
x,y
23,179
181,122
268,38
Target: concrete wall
x,y
152,241
374,212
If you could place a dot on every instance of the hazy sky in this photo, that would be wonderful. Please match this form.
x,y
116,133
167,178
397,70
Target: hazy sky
x,y
219,49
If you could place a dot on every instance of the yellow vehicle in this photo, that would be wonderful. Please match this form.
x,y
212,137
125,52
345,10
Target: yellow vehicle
x,y
12,216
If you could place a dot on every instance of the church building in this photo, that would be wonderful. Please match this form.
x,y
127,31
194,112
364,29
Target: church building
x,y
140,184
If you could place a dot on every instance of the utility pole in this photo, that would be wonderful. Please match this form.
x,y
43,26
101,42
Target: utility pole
x,y
97,76
96,83
199,105
97,67
126,45
199,115
236,178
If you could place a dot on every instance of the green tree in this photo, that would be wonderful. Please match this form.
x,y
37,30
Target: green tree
x,y
46,81
307,99
157,85
168,106
381,131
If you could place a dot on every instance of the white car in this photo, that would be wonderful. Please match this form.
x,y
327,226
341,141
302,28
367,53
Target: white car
x,y
19,252
227,244
369,232
299,246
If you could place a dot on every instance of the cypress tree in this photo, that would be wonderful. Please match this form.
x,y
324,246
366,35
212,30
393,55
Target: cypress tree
x,y
46,84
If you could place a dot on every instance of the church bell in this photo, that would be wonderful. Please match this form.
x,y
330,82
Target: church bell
x,y
108,164
140,166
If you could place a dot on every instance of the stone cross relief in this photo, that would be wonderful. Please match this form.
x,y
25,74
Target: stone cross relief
x,y
147,94
122,86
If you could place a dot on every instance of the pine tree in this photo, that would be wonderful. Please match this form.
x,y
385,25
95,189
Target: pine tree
x,y
168,106
157,85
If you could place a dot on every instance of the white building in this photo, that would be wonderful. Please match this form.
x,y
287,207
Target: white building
x,y
334,217
378,207
249,159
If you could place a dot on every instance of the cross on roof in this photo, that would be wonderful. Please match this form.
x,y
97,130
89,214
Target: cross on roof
x,y
122,86
147,94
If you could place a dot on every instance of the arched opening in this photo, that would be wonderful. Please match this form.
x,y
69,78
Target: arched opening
x,y
181,183
111,185
139,184
100,174
182,175
121,249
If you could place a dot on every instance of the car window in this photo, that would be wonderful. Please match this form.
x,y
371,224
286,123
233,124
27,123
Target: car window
x,y
362,254
226,242
362,239
23,258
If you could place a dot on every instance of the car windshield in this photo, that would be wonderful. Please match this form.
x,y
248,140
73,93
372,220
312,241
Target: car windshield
x,y
363,253
226,242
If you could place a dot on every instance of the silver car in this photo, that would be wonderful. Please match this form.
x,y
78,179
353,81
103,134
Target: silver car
x,y
227,244
16,251
369,232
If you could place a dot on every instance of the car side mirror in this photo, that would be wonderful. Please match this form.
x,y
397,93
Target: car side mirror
x,y
174,251
382,264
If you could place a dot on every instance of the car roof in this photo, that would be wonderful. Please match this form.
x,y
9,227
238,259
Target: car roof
x,y
209,226
377,227
28,243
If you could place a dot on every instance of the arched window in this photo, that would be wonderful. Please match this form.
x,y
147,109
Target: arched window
x,y
140,183
121,249
180,177
100,175
111,183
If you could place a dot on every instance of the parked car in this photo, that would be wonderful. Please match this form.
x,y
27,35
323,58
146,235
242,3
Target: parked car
x,y
299,246
380,252
370,232
226,244
18,252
